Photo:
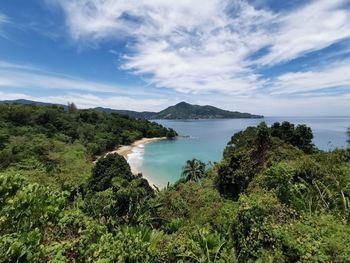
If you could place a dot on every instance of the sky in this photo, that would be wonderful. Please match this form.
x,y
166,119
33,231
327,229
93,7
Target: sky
x,y
271,57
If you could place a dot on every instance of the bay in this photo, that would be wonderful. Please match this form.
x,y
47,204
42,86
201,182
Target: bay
x,y
162,161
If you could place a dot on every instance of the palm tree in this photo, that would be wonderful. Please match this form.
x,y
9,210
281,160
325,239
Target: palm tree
x,y
194,170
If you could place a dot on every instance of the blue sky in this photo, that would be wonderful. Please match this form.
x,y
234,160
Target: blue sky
x,y
269,57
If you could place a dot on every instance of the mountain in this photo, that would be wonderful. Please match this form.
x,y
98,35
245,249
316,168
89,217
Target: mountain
x,y
181,110
185,110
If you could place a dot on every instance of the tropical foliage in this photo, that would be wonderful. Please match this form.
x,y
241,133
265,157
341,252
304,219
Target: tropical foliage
x,y
194,170
273,198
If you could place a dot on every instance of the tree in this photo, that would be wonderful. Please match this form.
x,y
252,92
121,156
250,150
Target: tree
x,y
262,142
72,107
276,130
287,131
171,134
194,170
107,168
244,157
302,138
19,115
348,132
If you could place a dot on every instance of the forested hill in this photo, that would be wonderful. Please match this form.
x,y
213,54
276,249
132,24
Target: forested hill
x,y
181,110
185,110
96,131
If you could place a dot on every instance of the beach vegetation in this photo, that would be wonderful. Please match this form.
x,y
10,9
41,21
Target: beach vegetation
x,y
194,170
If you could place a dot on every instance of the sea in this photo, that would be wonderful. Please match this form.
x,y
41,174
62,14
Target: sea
x,y
162,161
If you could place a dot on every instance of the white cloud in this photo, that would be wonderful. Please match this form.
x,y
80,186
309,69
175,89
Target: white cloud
x,y
260,104
335,105
189,46
309,28
199,46
3,20
335,75
84,101
27,76
114,102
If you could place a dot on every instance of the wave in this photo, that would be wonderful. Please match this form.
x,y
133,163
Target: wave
x,y
135,158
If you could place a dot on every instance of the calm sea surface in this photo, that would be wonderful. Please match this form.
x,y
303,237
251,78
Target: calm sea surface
x,y
162,161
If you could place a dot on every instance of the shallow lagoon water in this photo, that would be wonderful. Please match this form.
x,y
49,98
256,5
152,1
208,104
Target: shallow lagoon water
x,y
162,161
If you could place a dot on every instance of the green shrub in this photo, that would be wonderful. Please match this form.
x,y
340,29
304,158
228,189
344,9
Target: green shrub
x,y
107,168
27,210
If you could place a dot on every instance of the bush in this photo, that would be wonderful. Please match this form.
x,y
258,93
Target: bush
x,y
311,187
259,216
27,210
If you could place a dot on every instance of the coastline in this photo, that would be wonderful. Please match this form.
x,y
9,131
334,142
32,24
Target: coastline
x,y
126,150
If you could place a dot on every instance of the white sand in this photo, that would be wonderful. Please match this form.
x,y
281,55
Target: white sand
x,y
125,150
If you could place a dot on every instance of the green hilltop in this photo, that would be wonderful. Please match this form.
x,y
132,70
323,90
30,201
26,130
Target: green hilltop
x,y
185,110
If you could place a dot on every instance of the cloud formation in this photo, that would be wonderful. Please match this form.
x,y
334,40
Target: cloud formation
x,y
211,46
332,76
3,20
28,76
86,100
312,27
83,92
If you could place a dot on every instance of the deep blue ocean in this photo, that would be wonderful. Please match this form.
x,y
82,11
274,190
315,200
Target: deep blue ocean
x,y
162,161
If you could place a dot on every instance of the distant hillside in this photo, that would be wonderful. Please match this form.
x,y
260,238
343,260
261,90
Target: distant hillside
x,y
185,110
31,102
181,110
135,114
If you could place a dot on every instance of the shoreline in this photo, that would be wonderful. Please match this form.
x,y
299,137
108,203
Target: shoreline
x,y
126,150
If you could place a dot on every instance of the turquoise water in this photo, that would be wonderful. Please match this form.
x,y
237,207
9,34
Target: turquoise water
x,y
162,161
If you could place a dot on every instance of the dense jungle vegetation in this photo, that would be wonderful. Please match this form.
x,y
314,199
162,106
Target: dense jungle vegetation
x,y
273,198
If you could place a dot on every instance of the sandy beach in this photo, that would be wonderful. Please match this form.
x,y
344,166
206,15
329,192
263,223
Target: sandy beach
x,y
125,150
